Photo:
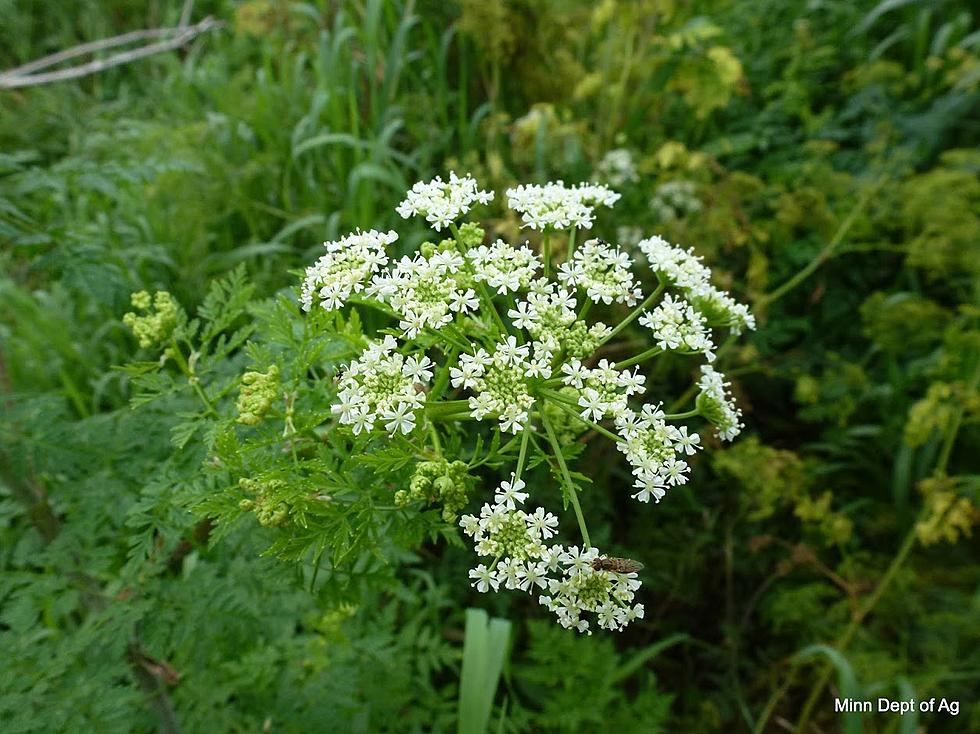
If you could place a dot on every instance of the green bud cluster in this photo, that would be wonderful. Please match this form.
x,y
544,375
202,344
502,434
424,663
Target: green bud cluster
x,y
269,508
947,516
931,413
470,235
439,481
158,320
835,527
513,538
580,340
259,390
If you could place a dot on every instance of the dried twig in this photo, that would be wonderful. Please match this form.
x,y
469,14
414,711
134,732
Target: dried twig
x,y
175,38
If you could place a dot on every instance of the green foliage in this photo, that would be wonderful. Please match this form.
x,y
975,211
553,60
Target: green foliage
x,y
184,548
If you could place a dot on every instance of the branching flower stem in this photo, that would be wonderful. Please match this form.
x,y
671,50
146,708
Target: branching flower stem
x,y
572,491
192,379
828,249
641,357
481,289
635,313
522,455
565,404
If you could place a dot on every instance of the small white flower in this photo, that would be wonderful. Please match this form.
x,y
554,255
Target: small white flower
x,y
524,316
689,444
418,369
595,406
484,579
543,522
510,495
401,418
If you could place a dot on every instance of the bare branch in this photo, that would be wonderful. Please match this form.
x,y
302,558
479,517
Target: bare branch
x,y
185,14
88,48
19,77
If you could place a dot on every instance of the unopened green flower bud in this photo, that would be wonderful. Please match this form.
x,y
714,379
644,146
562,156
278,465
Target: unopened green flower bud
x,y
258,392
470,235
156,326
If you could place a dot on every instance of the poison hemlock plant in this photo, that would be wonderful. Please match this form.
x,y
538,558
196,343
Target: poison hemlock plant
x,y
466,354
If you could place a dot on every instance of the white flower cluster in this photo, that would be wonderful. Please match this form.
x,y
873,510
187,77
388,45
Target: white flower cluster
x,y
603,271
653,447
584,588
675,199
617,167
716,404
550,318
426,292
346,267
677,325
522,560
604,390
555,206
500,380
684,269
504,267
443,202
383,386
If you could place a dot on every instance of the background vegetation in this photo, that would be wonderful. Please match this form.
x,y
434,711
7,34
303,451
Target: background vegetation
x,y
822,156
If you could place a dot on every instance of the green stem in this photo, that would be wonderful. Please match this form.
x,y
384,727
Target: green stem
x,y
522,454
903,552
546,253
564,404
461,416
443,379
572,492
435,438
191,377
827,250
635,313
681,416
441,407
571,243
643,356
488,300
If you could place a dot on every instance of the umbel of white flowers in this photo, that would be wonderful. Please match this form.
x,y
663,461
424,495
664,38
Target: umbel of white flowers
x,y
510,335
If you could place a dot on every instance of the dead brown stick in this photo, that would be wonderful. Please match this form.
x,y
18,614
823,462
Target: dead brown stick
x,y
20,77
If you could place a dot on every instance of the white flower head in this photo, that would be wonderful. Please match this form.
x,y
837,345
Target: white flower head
x,y
678,326
345,269
603,272
443,202
716,404
618,168
381,386
555,206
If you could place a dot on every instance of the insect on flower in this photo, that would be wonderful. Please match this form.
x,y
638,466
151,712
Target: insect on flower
x,y
616,565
